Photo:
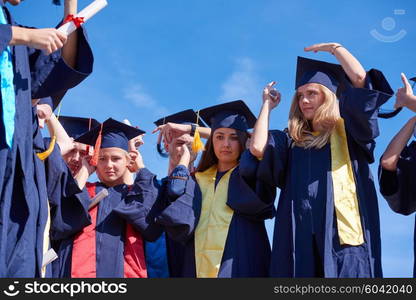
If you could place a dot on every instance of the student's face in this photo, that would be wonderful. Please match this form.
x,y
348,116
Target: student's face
x,y
174,148
112,165
310,98
226,145
74,158
44,112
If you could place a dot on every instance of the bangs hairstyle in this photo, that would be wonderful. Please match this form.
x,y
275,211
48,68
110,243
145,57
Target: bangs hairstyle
x,y
325,119
209,158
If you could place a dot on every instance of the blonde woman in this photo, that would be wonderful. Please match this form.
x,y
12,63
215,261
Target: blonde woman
x,y
327,222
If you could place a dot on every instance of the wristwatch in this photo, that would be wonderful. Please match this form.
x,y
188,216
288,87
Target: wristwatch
x,y
193,128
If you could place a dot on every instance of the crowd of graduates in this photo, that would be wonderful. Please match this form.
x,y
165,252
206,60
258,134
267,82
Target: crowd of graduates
x,y
202,219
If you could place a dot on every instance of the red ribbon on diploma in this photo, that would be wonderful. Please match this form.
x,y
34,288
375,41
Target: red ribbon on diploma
x,y
78,21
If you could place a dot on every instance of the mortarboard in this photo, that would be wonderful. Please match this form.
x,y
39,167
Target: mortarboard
x,y
110,134
76,126
183,117
54,100
235,114
329,75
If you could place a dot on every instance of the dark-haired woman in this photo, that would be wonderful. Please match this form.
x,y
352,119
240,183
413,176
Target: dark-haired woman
x,y
218,215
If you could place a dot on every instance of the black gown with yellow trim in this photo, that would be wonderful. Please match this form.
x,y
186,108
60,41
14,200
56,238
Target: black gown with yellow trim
x,y
246,251
306,241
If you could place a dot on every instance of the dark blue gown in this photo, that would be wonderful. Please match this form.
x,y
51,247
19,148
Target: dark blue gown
x,y
35,76
306,242
247,249
399,188
68,204
123,205
165,257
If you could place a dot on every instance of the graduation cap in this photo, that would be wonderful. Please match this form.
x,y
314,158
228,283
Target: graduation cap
x,y
329,75
183,117
235,114
76,126
56,2
390,113
54,100
110,134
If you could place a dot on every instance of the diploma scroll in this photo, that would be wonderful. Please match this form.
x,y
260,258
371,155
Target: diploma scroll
x,y
84,14
49,257
100,196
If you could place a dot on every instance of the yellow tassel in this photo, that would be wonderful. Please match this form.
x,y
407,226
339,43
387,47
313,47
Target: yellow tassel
x,y
44,155
197,144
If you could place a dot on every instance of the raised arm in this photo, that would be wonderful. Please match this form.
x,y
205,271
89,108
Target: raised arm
x,y
405,96
398,143
349,63
55,128
69,50
258,140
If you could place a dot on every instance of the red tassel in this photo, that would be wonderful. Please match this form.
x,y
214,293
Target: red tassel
x,y
94,159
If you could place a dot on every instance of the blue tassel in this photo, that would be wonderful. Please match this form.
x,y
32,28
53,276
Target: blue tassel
x,y
56,2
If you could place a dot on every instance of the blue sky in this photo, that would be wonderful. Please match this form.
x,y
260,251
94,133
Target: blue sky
x,y
153,58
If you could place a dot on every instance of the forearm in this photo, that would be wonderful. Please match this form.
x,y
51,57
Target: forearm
x,y
81,177
69,50
392,154
20,36
410,102
204,132
259,137
64,141
351,66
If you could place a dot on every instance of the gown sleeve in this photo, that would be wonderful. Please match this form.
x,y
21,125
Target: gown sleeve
x,y
51,75
359,109
246,192
68,203
139,207
5,36
177,215
398,187
272,168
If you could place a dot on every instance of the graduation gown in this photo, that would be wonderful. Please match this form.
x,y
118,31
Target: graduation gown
x,y
398,187
164,257
68,205
246,250
114,241
306,241
35,76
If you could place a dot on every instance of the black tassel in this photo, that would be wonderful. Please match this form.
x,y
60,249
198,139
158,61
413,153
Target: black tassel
x,y
162,152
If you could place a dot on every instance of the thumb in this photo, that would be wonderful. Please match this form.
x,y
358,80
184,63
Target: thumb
x,y
405,81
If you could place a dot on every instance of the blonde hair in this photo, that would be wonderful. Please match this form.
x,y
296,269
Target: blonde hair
x,y
325,119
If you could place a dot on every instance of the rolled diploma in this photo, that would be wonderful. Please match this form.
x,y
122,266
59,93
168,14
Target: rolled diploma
x,y
86,13
49,257
100,196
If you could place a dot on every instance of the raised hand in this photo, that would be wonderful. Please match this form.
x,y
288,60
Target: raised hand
x,y
136,161
325,47
404,95
86,165
48,39
171,130
271,96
